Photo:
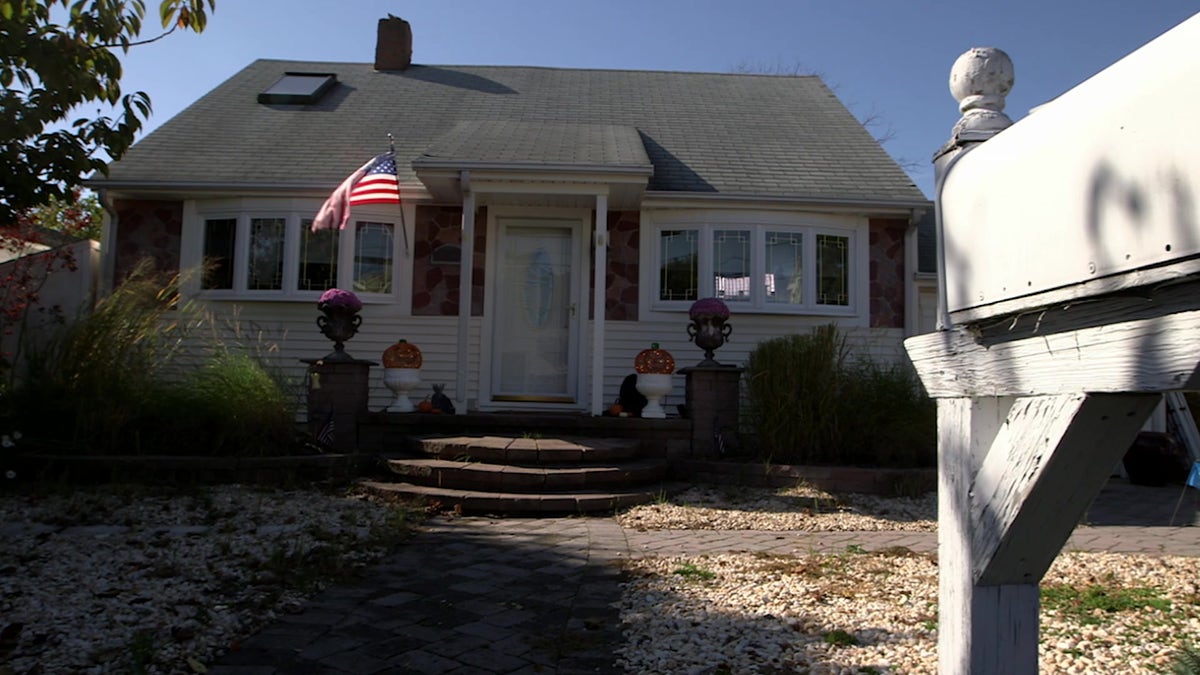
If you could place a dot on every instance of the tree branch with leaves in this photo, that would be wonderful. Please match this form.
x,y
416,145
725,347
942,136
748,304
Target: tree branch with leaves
x,y
56,56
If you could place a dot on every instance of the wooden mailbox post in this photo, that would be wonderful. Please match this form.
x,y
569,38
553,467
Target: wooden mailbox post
x,y
1069,248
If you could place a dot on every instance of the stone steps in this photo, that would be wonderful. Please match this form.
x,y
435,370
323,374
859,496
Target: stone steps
x,y
517,503
471,475
524,451
524,475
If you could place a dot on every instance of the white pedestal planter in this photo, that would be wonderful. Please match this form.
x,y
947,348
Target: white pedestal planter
x,y
401,381
654,386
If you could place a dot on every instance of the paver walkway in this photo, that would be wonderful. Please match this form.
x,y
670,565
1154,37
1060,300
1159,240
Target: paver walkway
x,y
488,595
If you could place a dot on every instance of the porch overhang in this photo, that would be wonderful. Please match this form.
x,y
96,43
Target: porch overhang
x,y
542,162
525,186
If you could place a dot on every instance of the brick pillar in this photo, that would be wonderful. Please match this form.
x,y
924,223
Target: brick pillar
x,y
712,404
337,393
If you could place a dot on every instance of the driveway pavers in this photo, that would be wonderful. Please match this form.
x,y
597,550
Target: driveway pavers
x,y
509,595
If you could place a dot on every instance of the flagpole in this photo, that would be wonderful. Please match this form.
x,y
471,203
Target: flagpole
x,y
400,203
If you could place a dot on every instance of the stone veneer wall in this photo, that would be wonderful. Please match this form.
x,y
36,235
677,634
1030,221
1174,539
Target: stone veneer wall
x,y
147,229
621,279
887,272
436,286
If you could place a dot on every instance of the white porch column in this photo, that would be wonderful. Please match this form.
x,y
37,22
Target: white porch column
x,y
599,295
466,267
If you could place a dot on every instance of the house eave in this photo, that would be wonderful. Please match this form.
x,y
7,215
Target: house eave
x,y
217,189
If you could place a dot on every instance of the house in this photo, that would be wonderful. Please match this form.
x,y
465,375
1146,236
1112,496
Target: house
x,y
584,209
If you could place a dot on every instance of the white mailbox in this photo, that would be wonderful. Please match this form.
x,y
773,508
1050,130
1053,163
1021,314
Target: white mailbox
x,y
1095,191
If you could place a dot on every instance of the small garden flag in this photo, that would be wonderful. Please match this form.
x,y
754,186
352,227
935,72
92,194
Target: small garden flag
x,y
1193,478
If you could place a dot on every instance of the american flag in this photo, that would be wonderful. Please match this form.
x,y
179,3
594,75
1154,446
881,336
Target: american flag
x,y
379,185
373,183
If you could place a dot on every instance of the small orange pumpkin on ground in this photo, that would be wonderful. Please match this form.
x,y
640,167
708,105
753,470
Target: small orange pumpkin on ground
x,y
425,406
615,410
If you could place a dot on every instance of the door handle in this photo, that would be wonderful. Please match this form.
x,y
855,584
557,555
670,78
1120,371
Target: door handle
x,y
572,310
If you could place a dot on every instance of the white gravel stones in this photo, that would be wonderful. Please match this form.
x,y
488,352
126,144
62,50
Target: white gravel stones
x,y
773,614
709,507
110,580
103,580
766,613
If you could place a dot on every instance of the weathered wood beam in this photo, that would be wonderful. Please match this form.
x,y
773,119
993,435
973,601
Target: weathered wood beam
x,y
981,629
1049,460
1146,355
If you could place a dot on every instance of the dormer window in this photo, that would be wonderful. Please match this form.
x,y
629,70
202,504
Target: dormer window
x,y
298,88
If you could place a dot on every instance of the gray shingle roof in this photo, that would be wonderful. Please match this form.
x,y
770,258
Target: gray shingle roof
x,y
539,143
714,133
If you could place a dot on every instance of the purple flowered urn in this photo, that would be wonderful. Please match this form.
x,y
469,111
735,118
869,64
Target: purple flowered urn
x,y
708,328
339,321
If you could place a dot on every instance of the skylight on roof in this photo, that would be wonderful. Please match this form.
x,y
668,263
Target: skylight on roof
x,y
298,88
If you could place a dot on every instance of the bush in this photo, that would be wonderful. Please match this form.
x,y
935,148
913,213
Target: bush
x,y
809,403
230,406
120,381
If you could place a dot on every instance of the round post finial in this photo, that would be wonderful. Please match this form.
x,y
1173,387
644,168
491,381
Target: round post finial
x,y
979,81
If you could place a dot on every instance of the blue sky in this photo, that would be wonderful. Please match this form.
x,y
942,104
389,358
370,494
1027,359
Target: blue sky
x,y
886,59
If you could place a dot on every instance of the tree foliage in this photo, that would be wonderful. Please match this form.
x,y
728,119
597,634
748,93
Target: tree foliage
x,y
56,56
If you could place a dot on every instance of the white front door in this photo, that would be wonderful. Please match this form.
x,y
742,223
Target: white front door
x,y
535,322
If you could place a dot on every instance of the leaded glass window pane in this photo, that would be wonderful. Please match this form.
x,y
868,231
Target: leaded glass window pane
x,y
220,237
318,258
679,255
784,267
731,264
266,254
373,257
833,270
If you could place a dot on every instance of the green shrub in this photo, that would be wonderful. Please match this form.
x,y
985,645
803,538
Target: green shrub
x,y
810,403
91,383
120,381
792,384
229,406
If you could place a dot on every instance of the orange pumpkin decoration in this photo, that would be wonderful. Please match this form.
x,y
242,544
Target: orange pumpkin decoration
x,y
402,355
425,406
615,410
654,360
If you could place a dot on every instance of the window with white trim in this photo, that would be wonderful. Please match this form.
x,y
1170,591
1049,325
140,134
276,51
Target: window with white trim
x,y
373,253
762,267
277,255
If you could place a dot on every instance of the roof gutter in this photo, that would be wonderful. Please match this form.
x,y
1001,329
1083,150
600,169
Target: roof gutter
x,y
200,186
902,206
183,188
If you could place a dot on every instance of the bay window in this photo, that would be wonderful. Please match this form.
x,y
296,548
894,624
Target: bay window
x,y
763,267
278,256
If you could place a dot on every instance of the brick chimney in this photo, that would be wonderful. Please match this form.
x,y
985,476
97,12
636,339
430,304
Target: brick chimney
x,y
393,46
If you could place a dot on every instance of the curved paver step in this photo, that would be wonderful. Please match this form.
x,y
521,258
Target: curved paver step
x,y
514,478
528,503
522,450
